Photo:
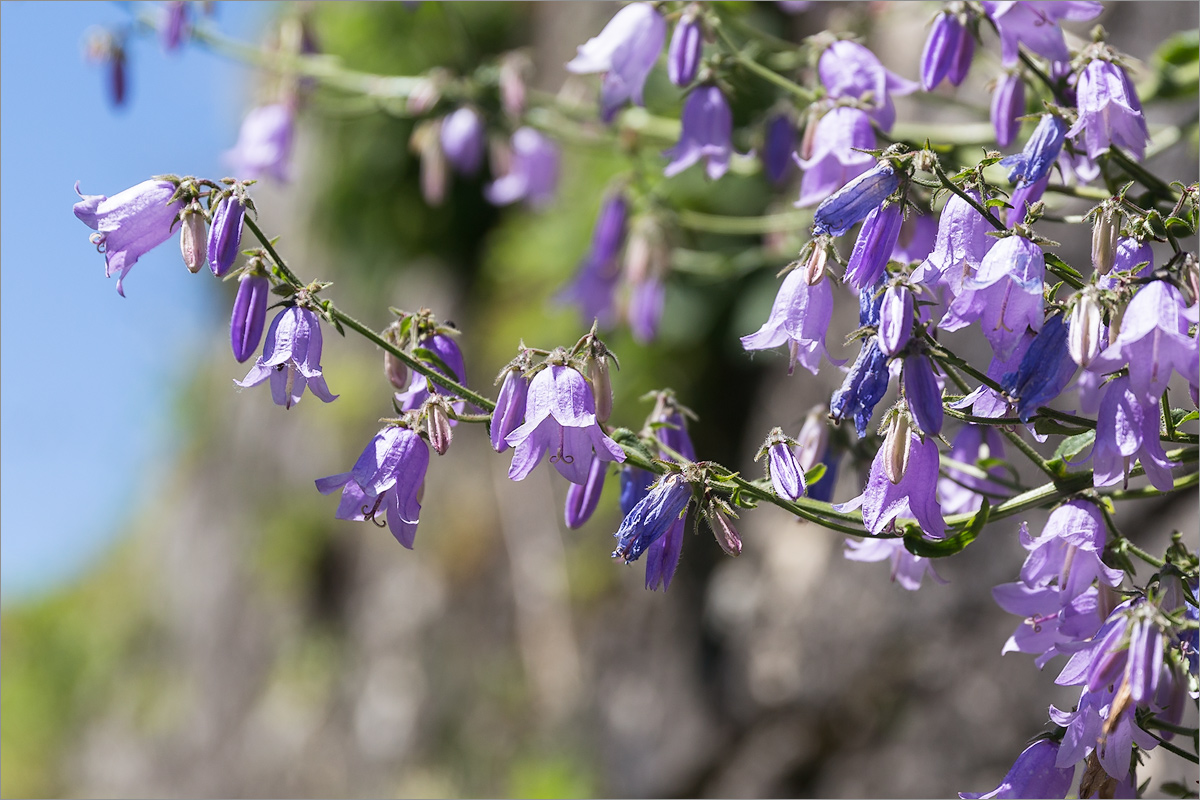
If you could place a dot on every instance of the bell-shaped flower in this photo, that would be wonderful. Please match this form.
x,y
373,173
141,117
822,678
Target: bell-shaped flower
x,y
799,318
249,314
836,157
917,236
706,134
1099,725
664,504
683,54
533,174
387,477
1109,111
948,52
851,204
1036,25
1034,162
783,468
876,240
848,69
647,298
963,493
1044,371
1008,104
595,282
510,408
1133,256
225,234
913,496
862,388
129,224
635,483
420,387
662,556
291,358
463,138
1051,627
582,498
264,145
779,148
625,51
1034,774
1127,430
907,570
560,417
958,250
1005,295
1068,551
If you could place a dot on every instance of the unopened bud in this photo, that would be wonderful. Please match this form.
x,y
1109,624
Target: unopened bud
x,y
810,135
193,238
1191,279
814,438
426,142
601,387
1083,338
514,71
1105,234
396,371
437,423
896,446
646,255
723,531
814,268
924,160
424,97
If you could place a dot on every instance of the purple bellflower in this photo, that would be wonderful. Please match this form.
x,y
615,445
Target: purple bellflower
x,y
836,157
907,570
1053,624
1036,25
1086,725
960,493
948,52
647,298
662,555
510,408
1068,551
800,318
264,145
1133,256
595,282
635,483
1034,774
1008,103
683,54
1109,111
560,416
625,51
1022,198
388,476
225,234
876,240
895,319
915,495
533,173
129,224
1005,295
961,244
851,204
867,380
779,148
985,401
1044,371
464,137
654,514
917,236
706,133
582,498
1041,152
848,69
1127,430
419,387
249,314
923,393
291,358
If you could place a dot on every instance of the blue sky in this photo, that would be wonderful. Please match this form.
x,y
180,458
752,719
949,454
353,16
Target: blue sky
x,y
86,377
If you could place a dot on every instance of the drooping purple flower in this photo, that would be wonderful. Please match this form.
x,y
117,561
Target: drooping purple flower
x,y
917,236
420,387
291,358
895,319
986,401
876,240
662,556
923,393
961,493
707,133
388,476
669,425
1044,371
249,314
1040,153
595,282
1053,625
1131,254
464,137
683,55
915,495
1095,713
1127,430
779,148
800,318
862,388
1008,103
1109,111
848,69
1036,25
582,498
787,476
510,408
625,51
1033,774
129,224
851,204
947,54
907,570
635,483
646,300
225,234
654,514
1068,551
961,244
1152,341
1005,295
175,14
836,158
264,145
533,173
560,417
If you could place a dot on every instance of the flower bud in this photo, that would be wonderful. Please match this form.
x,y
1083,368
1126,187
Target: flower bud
x,y
514,68
849,205
941,50
249,314
424,97
396,371
601,387
813,440
1105,234
896,446
895,319
876,240
1008,103
463,139
510,408
814,268
779,145
723,531
787,478
437,425
923,394
683,54
225,235
1083,339
193,238
582,498
426,143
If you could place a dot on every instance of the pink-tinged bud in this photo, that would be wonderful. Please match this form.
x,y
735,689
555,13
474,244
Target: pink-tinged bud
x,y
896,446
514,71
396,371
723,531
193,238
1083,338
805,152
1105,234
437,423
895,319
814,268
813,440
426,143
601,381
424,97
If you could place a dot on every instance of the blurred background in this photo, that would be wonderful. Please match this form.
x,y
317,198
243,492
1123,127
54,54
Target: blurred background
x,y
183,616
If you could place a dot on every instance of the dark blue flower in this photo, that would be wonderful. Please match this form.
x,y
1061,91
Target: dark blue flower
x,y
1041,151
863,387
652,516
848,206
1045,370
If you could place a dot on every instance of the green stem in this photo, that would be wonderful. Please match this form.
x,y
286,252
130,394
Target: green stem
x,y
1168,423
1148,492
1141,174
1086,192
952,186
766,74
271,251
1179,751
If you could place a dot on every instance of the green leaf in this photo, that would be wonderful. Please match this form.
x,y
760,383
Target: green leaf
x,y
940,548
1074,445
434,360
1058,263
815,474
284,289
1052,427
1179,417
627,438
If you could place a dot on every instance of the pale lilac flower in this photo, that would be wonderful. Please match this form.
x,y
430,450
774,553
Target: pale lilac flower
x,y
917,237
961,244
1109,111
915,496
960,493
1085,732
779,148
387,477
464,137
1068,551
851,204
1052,625
510,408
1033,774
793,6
1008,103
836,158
560,417
1132,256
582,498
1035,25
533,174
876,239
249,314
419,387
264,145
923,393
1044,371
1127,430
947,54
800,318
907,570
625,51
595,282
706,134
848,69
1040,154
1005,295
985,401
129,224
225,234
291,358
665,502
683,55
895,319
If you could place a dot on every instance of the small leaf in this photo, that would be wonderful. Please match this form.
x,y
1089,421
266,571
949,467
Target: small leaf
x,y
1052,427
940,548
283,289
1074,445
434,360
815,474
